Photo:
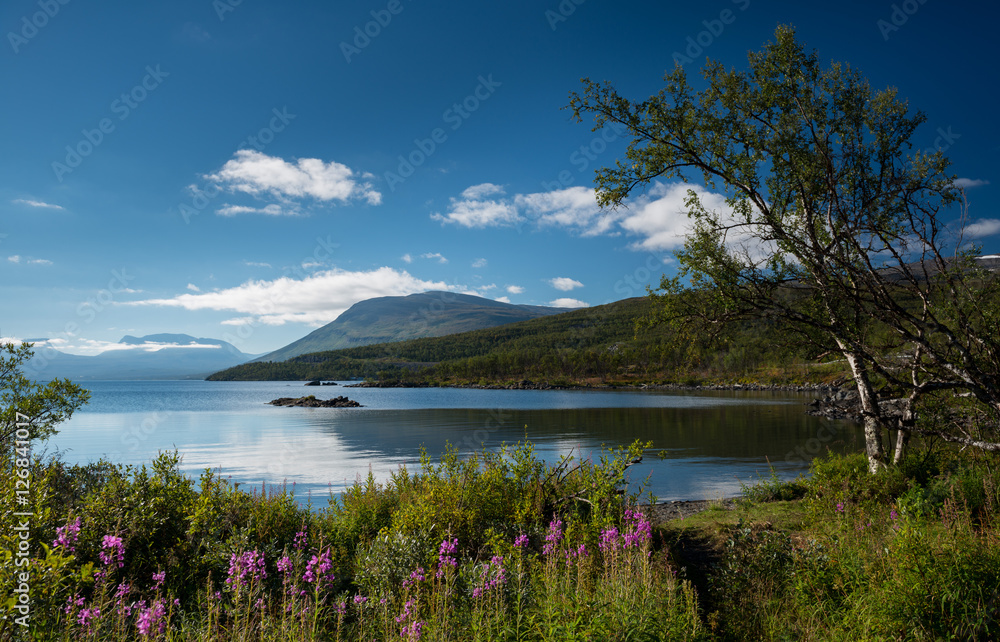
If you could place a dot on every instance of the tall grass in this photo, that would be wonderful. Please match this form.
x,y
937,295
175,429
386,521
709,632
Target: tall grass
x,y
495,546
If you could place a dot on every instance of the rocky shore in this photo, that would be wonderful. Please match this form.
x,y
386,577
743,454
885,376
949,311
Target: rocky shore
x,y
312,402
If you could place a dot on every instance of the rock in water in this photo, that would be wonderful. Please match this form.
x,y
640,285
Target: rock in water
x,y
312,402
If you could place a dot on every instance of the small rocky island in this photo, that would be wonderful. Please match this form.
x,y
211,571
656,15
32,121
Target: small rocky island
x,y
312,402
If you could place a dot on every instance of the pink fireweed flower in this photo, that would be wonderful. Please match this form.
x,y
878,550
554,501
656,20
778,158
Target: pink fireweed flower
x,y
87,617
360,600
521,541
112,551
407,612
67,536
609,540
553,536
245,568
415,576
159,578
300,540
639,530
73,603
285,565
152,620
446,556
318,569
840,507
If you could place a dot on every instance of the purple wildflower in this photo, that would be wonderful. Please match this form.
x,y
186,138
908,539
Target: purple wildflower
x,y
553,536
521,541
87,616
446,555
840,507
639,530
244,568
360,600
300,540
609,540
67,536
415,576
285,565
319,569
159,578
112,550
152,620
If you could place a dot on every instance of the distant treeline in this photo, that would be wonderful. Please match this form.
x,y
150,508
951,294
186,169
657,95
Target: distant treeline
x,y
605,344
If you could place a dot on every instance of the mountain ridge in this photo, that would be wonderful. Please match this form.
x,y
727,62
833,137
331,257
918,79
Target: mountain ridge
x,y
392,319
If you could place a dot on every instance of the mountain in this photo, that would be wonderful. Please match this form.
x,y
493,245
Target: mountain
x,y
599,342
155,356
400,318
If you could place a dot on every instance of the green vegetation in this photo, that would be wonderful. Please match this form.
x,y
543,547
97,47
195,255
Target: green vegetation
x,y
831,228
607,345
909,553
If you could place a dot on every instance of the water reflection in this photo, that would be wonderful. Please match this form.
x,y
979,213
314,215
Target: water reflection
x,y
711,442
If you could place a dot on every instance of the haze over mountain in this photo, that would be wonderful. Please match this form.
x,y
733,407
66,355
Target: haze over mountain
x,y
154,356
400,318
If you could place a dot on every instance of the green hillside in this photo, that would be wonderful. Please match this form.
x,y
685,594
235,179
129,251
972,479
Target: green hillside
x,y
605,344
400,318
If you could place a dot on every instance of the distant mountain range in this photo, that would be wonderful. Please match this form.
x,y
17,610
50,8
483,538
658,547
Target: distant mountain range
x,y
154,356
401,318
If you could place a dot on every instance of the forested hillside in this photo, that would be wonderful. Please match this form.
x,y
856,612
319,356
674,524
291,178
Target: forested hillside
x,y
606,344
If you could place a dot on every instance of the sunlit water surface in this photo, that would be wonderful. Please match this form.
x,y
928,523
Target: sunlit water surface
x,y
713,441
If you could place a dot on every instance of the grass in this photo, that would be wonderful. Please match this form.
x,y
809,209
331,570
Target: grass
x,y
501,546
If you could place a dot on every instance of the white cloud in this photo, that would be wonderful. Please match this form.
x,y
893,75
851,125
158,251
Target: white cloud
x,y
193,287
515,289
316,299
407,258
478,192
434,255
502,299
983,227
966,183
568,303
89,347
31,203
269,210
480,214
261,176
661,216
565,284
479,263
17,258
573,207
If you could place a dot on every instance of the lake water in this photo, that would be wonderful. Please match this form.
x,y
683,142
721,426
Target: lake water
x,y
712,440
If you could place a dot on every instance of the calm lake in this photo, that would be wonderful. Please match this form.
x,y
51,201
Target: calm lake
x,y
712,440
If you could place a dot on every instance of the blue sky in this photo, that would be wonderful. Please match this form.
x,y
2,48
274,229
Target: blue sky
x,y
232,169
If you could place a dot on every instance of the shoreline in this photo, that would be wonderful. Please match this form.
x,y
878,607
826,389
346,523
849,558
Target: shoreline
x,y
531,385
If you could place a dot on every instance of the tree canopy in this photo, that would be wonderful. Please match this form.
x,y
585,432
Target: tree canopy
x,y
831,225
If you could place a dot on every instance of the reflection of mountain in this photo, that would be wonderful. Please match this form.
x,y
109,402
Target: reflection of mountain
x,y
399,318
155,356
